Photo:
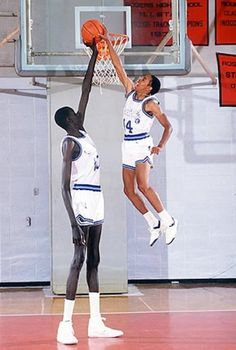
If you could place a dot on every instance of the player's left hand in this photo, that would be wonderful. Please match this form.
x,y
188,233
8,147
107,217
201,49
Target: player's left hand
x,y
156,149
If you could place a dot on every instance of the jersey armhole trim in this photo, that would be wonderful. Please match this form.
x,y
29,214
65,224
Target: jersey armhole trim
x,y
77,144
128,94
150,98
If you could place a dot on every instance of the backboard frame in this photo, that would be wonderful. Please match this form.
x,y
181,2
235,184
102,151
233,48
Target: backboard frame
x,y
78,23
25,65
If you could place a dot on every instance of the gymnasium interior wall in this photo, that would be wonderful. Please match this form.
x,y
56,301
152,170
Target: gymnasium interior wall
x,y
195,177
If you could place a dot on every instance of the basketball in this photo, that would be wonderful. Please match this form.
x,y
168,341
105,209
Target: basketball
x,y
91,30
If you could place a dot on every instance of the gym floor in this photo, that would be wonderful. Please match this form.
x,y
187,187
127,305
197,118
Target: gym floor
x,y
152,316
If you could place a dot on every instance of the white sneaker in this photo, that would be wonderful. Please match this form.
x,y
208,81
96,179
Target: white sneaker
x,y
171,231
97,329
65,333
155,233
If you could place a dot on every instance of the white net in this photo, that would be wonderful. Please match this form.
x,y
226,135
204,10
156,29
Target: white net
x,y
104,71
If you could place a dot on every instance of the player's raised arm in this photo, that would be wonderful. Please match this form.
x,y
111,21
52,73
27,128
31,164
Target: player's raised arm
x,y
87,83
124,79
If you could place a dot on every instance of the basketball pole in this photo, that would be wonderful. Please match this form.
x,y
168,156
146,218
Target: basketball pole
x,y
204,65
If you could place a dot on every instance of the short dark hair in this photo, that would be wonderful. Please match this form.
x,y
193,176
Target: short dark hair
x,y
61,116
156,85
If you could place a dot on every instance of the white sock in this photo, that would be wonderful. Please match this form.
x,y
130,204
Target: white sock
x,y
151,219
165,217
94,304
68,310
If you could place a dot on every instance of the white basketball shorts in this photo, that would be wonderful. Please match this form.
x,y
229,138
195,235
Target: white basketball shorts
x,y
137,151
88,207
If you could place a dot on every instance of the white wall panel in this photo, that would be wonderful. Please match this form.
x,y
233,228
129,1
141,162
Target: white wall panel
x,y
25,250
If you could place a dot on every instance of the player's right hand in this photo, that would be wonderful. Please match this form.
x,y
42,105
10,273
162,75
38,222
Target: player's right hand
x,y
105,35
78,237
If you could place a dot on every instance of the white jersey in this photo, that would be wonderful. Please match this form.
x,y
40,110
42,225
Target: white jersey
x,y
85,172
136,121
87,197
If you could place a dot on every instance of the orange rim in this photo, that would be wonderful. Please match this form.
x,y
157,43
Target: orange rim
x,y
103,51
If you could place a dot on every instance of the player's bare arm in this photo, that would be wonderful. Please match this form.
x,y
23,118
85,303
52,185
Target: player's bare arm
x,y
87,84
124,79
67,150
154,108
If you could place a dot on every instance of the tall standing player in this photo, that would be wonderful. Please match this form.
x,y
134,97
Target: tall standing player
x,y
141,108
85,208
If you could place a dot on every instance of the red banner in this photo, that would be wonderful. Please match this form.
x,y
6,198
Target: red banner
x,y
149,20
225,30
227,79
197,22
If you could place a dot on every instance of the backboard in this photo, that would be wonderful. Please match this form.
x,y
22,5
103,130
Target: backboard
x,y
50,41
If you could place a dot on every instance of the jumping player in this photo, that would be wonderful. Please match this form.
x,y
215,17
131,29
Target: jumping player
x,y
85,208
141,108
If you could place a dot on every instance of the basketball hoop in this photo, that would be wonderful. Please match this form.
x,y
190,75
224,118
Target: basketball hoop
x,y
104,71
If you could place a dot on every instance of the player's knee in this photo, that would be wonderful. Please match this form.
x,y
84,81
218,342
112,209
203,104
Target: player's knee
x,y
78,262
93,262
125,190
143,188
128,192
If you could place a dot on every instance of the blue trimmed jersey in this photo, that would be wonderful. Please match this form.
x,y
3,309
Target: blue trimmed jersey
x,y
137,143
87,197
136,121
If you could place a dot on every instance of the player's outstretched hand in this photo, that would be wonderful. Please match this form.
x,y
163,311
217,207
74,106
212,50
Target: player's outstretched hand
x,y
105,35
93,45
78,236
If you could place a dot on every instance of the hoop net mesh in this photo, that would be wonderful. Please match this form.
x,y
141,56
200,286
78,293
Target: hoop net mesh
x,y
104,71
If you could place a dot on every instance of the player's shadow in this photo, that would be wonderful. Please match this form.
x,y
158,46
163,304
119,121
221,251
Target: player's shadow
x,y
202,147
